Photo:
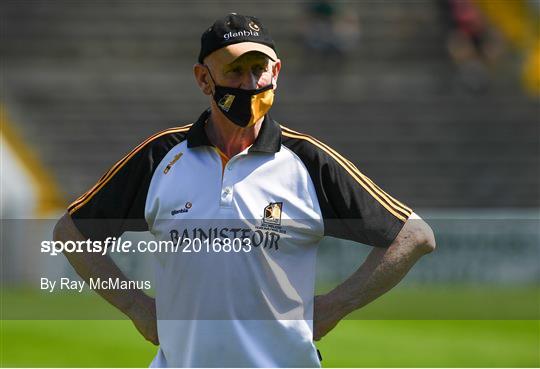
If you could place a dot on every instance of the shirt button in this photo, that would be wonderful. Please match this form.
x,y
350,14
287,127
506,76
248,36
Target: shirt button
x,y
227,190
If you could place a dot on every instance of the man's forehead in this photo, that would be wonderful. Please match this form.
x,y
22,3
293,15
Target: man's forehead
x,y
222,58
252,56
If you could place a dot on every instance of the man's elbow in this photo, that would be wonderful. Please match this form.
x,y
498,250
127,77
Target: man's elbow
x,y
59,229
65,229
424,237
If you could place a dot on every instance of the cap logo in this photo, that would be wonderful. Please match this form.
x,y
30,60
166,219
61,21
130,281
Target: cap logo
x,y
226,101
243,33
254,26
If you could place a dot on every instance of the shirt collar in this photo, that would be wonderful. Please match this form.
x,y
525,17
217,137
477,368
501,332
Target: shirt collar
x,y
268,140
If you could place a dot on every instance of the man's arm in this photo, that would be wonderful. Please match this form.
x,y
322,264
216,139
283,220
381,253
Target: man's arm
x,y
380,272
138,306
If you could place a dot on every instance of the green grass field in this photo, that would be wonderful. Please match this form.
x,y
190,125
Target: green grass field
x,y
353,343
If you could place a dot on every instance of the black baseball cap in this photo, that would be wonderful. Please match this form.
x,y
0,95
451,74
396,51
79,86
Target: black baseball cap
x,y
237,34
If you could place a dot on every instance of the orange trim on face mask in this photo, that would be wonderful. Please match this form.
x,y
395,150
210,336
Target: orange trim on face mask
x,y
260,105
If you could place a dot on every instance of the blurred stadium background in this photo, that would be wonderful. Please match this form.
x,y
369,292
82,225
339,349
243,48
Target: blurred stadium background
x,y
436,101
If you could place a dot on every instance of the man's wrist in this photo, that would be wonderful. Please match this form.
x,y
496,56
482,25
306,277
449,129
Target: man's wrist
x,y
130,303
338,304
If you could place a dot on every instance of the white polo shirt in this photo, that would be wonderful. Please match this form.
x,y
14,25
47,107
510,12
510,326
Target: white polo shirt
x,y
239,290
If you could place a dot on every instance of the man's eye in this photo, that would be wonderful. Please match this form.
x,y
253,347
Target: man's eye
x,y
258,69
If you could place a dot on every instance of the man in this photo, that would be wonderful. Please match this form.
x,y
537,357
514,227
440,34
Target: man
x,y
251,200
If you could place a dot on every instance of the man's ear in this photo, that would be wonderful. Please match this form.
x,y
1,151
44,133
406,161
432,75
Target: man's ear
x,y
276,67
202,78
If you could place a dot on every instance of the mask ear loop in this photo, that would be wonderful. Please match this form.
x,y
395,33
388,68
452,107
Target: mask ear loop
x,y
212,78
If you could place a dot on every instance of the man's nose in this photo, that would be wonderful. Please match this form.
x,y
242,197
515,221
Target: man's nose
x,y
250,81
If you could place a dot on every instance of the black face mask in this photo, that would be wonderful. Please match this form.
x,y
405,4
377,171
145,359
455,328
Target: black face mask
x,y
243,107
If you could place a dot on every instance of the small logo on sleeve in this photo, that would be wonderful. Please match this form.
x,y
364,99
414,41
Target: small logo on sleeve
x,y
272,213
169,166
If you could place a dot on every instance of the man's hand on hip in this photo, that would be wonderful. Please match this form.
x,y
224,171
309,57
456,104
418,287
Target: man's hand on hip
x,y
143,315
325,317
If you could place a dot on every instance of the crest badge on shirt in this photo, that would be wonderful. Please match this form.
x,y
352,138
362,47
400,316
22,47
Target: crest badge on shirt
x,y
272,213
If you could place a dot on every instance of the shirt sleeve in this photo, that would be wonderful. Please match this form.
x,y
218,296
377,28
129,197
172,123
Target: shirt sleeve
x,y
353,206
116,203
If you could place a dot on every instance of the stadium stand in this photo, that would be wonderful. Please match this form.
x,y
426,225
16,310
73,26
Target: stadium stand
x,y
87,81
